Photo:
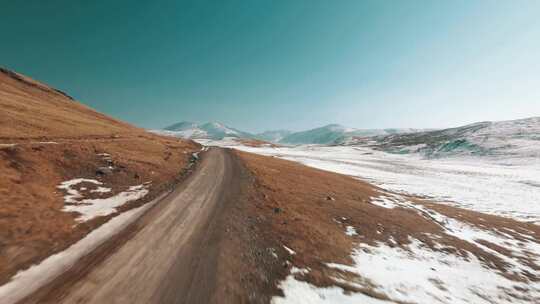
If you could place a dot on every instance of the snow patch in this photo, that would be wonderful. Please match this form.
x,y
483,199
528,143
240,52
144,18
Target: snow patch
x,y
351,231
91,208
523,249
299,292
302,271
417,274
384,201
73,194
101,190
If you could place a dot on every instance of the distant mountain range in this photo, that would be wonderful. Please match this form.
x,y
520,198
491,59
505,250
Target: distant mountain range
x,y
515,137
273,136
337,134
209,130
330,134
520,138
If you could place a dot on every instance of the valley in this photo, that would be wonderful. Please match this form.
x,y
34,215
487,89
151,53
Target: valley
x,y
206,213
270,152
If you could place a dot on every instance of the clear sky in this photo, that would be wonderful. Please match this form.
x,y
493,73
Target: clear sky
x,y
259,65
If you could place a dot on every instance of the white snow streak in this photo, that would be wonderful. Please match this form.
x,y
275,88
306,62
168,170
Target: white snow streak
x,y
289,250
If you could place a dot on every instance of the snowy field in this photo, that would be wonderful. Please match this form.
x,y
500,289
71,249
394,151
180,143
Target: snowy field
x,y
509,187
416,272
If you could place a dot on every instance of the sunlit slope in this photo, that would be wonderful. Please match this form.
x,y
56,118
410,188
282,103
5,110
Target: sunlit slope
x,y
32,109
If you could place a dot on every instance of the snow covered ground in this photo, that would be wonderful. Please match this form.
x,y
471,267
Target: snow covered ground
x,y
509,188
422,273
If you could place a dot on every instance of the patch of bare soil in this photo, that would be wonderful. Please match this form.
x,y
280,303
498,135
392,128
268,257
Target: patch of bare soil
x,y
47,138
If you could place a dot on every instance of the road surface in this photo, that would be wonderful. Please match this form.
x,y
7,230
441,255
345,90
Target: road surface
x,y
172,258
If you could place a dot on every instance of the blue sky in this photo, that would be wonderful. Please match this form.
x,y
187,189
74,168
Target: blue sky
x,y
259,65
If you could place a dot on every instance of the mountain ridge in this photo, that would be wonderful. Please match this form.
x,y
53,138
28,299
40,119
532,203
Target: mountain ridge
x,y
207,130
399,140
327,134
337,134
519,137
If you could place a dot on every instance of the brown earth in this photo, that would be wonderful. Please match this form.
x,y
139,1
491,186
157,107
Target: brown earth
x,y
194,246
234,251
47,138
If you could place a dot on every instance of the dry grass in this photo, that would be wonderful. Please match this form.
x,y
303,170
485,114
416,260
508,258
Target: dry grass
x,y
33,110
32,224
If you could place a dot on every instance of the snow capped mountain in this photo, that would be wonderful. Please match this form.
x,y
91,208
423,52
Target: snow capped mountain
x,y
323,135
337,134
184,125
329,134
520,138
273,136
209,130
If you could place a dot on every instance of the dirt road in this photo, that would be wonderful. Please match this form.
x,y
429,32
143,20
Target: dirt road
x,y
171,259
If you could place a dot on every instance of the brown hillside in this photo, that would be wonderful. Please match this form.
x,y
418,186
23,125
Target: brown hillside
x,y
47,138
30,109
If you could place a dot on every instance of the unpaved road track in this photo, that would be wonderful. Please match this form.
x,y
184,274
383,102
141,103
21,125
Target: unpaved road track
x,y
172,258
